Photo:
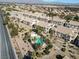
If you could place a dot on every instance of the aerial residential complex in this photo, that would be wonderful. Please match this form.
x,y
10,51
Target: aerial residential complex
x,y
43,31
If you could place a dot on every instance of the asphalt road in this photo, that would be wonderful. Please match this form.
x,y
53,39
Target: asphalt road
x,y
6,50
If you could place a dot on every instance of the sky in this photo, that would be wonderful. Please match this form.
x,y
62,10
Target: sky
x,y
64,1
44,1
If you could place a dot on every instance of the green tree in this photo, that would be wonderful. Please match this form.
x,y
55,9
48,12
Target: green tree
x,y
59,57
51,32
14,31
10,25
63,49
68,18
49,46
27,37
76,18
38,29
8,9
62,15
6,20
8,14
46,51
38,54
51,14
29,40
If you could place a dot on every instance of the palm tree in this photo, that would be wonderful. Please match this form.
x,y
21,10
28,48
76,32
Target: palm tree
x,y
51,32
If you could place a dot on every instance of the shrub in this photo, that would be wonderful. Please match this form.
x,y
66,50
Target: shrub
x,y
59,57
46,51
63,49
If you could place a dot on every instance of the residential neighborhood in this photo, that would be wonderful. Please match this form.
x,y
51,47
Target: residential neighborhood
x,y
43,32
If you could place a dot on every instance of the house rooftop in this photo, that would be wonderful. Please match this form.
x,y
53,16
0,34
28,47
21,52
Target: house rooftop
x,y
56,18
36,14
74,23
42,23
65,30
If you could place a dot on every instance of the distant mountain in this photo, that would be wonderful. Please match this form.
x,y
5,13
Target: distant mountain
x,y
22,1
54,2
